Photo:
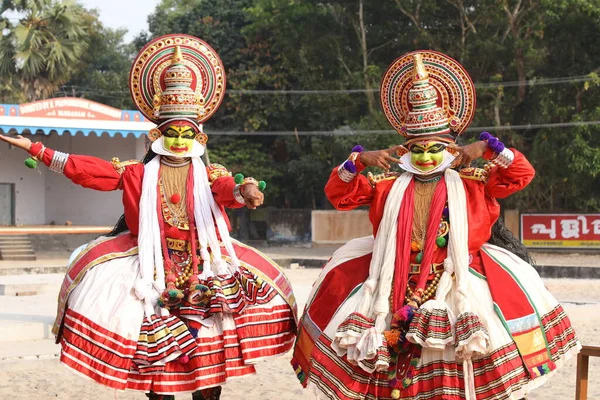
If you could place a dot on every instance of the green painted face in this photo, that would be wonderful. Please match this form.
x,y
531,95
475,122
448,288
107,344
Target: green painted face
x,y
425,156
179,139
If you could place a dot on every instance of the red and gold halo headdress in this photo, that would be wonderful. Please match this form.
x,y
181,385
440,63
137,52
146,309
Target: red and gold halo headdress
x,y
177,76
428,95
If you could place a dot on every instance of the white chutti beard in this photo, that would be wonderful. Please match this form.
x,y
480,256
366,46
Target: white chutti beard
x,y
408,167
158,146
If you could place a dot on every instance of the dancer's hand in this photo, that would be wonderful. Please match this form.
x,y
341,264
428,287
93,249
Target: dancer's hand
x,y
468,153
380,158
252,196
19,141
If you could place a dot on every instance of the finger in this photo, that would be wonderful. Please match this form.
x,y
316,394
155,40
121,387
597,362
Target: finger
x,y
383,164
393,159
453,149
6,139
457,161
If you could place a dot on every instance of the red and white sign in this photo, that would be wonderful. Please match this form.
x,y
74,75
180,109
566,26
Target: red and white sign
x,y
561,230
69,107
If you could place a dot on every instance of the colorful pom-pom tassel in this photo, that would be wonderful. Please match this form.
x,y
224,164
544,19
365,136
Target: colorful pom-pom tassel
x,y
358,149
349,166
441,241
238,178
175,198
484,136
31,163
392,337
262,185
406,313
414,246
419,257
395,394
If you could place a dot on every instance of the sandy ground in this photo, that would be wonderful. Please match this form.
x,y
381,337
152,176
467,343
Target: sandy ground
x,y
275,379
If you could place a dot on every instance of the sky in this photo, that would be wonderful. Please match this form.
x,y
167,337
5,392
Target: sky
x,y
129,14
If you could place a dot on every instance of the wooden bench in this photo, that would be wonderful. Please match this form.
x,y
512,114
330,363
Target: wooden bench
x,y
583,359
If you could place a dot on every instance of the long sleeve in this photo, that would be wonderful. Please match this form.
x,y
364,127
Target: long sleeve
x,y
223,191
89,172
503,182
346,196
223,187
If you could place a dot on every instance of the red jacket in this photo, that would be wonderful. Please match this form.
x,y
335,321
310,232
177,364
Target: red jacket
x,y
95,173
482,208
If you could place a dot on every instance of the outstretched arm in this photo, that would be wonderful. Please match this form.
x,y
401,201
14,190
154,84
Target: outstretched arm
x,y
89,172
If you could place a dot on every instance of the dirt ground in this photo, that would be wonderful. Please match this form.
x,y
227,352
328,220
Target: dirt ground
x,y
276,380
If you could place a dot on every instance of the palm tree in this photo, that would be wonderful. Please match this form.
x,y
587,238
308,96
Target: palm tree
x,y
40,51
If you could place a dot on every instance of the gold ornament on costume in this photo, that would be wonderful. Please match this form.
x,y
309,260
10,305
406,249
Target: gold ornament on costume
x,y
177,76
178,100
202,138
427,94
154,134
173,190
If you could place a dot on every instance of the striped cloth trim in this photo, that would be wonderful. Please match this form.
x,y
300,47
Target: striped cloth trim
x,y
107,358
162,339
497,375
231,294
431,328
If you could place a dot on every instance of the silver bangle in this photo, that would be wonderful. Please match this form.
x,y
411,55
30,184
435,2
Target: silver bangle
x,y
346,175
504,159
237,194
59,160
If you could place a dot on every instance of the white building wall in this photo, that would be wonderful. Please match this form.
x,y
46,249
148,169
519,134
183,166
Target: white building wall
x,y
29,185
66,201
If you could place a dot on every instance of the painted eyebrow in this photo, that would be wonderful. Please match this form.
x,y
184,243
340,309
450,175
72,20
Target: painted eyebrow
x,y
187,132
436,147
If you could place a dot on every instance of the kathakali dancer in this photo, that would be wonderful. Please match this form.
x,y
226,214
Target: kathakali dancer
x,y
169,303
428,308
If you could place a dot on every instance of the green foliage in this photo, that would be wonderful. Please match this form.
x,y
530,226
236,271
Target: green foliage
x,y
242,156
103,70
511,46
348,44
42,50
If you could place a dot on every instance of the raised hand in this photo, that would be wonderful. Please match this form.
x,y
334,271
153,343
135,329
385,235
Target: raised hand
x,y
252,196
19,141
380,158
467,154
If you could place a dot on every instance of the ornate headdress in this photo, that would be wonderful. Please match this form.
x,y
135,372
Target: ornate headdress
x,y
177,78
426,95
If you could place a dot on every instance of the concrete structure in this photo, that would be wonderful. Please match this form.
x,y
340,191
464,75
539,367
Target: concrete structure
x,y
75,126
337,227
44,197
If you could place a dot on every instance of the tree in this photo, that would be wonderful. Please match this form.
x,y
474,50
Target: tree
x,y
102,73
507,46
40,52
